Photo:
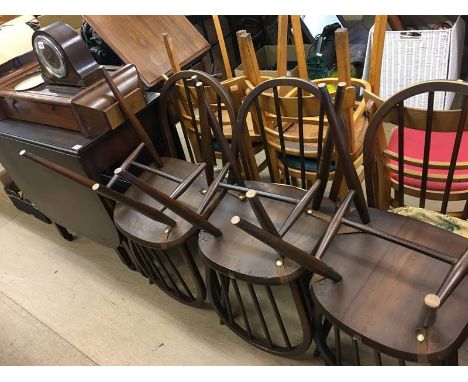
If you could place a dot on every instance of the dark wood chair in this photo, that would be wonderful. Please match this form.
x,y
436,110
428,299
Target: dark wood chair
x,y
189,117
428,169
167,202
403,290
258,273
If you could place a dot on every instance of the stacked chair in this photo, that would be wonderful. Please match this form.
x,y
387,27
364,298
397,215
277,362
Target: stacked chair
x,y
285,265
269,236
168,200
283,163
430,170
404,291
189,117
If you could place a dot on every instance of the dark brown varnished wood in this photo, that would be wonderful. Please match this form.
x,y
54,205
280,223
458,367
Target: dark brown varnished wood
x,y
180,189
427,148
132,119
284,249
107,192
157,216
90,110
80,67
239,254
280,253
391,262
167,201
385,285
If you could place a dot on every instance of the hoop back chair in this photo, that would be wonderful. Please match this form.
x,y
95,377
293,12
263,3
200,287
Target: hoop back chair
x,y
166,204
188,115
281,131
404,291
426,153
261,270
285,167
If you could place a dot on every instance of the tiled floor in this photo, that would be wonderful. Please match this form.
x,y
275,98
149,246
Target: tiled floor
x,y
65,303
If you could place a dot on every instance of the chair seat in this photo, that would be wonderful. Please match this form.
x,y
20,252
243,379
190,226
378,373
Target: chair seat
x,y
310,164
441,151
237,253
447,222
381,295
152,233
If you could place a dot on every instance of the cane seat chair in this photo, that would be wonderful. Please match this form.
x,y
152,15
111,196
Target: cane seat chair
x,y
403,291
160,214
254,281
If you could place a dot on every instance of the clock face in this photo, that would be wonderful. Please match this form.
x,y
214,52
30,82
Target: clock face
x,y
50,56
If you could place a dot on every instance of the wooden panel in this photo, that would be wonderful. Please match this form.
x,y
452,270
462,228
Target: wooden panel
x,y
311,105
54,115
138,40
98,108
62,200
442,120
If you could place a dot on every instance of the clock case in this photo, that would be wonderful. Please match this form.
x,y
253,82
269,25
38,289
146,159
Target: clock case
x,y
80,67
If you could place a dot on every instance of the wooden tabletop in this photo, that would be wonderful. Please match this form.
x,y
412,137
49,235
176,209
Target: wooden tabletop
x,y
138,40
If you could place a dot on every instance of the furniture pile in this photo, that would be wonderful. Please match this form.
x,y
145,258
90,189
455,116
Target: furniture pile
x,y
267,216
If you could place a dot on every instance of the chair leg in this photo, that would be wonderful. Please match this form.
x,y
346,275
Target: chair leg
x,y
451,360
171,276
218,286
327,325
125,258
64,232
320,338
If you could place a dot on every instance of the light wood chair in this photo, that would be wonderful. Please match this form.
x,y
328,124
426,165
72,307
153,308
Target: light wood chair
x,y
354,113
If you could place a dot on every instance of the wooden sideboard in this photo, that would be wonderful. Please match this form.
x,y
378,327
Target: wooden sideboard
x,y
63,201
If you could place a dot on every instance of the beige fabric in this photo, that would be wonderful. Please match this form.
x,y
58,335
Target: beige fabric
x,y
447,222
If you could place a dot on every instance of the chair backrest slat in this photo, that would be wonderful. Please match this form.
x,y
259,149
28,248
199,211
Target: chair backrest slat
x,y
279,127
206,115
205,132
193,120
401,152
301,137
339,132
455,152
261,127
427,147
320,134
